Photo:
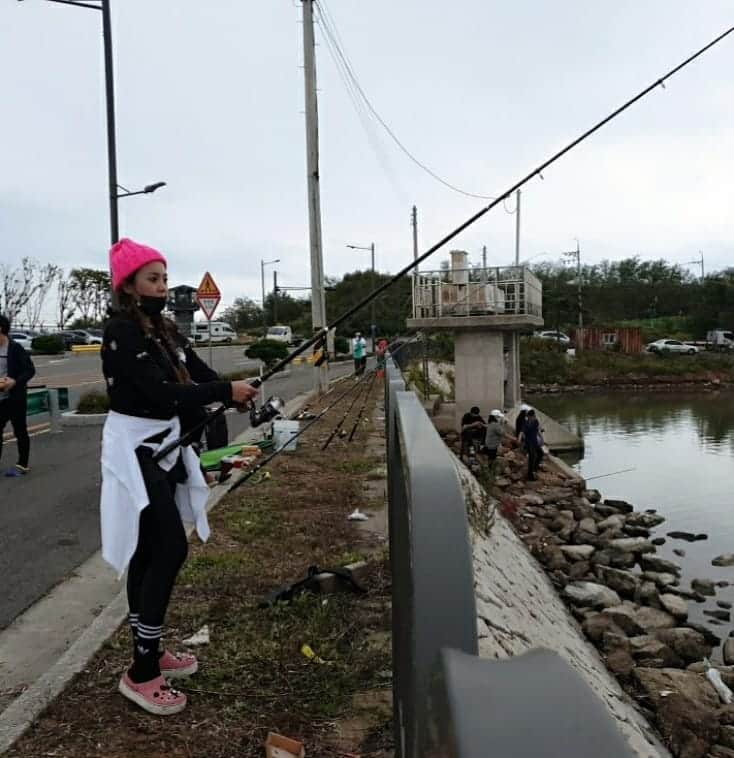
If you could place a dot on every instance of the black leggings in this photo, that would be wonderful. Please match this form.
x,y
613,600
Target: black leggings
x,y
162,543
14,411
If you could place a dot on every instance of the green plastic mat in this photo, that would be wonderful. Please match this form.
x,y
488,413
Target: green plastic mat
x,y
212,459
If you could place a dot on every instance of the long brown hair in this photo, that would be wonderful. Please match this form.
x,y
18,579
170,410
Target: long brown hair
x,y
157,328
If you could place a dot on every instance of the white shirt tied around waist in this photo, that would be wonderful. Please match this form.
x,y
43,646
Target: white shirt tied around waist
x,y
123,488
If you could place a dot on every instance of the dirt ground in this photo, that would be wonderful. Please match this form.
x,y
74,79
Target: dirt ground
x,y
253,676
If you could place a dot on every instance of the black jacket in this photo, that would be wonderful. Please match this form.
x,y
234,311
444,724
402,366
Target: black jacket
x,y
141,377
20,368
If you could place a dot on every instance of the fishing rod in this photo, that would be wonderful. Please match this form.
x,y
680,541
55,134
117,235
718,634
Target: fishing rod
x,y
613,473
361,410
265,413
303,430
320,415
343,418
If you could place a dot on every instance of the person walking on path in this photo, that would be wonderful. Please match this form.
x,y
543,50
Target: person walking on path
x,y
156,385
16,370
533,442
359,352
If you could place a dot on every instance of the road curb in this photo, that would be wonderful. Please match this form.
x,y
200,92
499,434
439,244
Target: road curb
x,y
22,712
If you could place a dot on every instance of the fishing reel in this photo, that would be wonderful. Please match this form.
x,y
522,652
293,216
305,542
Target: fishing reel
x,y
271,408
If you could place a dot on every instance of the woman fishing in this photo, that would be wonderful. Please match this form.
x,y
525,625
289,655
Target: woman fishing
x,y
157,386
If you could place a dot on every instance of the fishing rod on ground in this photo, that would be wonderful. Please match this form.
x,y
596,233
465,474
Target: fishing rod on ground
x,y
372,372
336,429
270,409
364,405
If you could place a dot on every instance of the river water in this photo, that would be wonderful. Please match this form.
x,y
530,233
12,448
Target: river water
x,y
680,448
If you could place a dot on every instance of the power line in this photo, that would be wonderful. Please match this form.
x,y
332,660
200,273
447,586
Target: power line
x,y
331,32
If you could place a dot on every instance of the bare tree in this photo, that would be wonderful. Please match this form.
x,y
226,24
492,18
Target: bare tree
x,y
65,300
17,286
44,277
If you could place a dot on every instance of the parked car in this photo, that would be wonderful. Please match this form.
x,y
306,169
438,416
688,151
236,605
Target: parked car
x,y
280,333
22,338
560,337
221,331
671,346
89,336
72,338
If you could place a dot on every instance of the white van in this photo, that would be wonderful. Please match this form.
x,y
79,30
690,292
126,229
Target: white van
x,y
220,331
280,333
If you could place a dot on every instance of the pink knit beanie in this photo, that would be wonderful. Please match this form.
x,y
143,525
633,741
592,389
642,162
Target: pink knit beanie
x,y
127,256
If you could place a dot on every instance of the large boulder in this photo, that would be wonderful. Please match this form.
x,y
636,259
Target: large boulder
x,y
723,560
653,563
580,570
620,662
711,639
661,579
637,531
686,707
599,624
648,619
728,652
647,594
620,506
589,594
703,586
577,552
719,614
632,545
589,526
686,643
648,650
623,582
648,520
674,605
615,521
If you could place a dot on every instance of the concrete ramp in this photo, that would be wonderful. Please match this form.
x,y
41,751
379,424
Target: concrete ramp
x,y
557,437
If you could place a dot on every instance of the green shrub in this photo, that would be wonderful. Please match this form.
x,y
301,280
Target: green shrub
x,y
268,351
93,402
48,344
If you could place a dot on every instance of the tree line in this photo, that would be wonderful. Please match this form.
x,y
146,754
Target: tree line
x,y
633,290
82,295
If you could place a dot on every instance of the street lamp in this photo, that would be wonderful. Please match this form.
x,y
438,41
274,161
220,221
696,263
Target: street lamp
x,y
373,326
262,283
147,190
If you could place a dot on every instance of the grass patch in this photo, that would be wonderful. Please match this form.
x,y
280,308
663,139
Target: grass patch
x,y
253,677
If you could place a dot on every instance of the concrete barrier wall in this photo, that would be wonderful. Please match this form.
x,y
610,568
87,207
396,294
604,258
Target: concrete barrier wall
x,y
518,609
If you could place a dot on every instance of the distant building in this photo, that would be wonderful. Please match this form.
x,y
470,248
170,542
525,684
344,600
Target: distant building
x,y
623,339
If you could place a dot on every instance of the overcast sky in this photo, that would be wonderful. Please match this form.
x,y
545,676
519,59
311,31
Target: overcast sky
x,y
210,100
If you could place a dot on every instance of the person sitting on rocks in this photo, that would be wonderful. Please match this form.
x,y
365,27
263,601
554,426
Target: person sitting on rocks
x,y
472,430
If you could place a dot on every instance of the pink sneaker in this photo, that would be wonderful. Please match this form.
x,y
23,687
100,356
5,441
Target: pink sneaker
x,y
154,696
178,665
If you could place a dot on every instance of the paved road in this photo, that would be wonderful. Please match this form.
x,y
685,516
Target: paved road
x,y
49,520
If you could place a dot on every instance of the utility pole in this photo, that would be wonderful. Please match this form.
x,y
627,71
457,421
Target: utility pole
x,y
275,297
517,230
576,254
318,301
373,324
414,223
262,286
484,257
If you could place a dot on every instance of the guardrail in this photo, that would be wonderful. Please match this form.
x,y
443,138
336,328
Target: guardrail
x,y
95,348
447,701
44,400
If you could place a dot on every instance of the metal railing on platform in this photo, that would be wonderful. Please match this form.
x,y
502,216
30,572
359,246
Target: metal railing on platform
x,y
492,291
447,701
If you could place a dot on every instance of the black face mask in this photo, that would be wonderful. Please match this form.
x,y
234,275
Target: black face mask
x,y
152,306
